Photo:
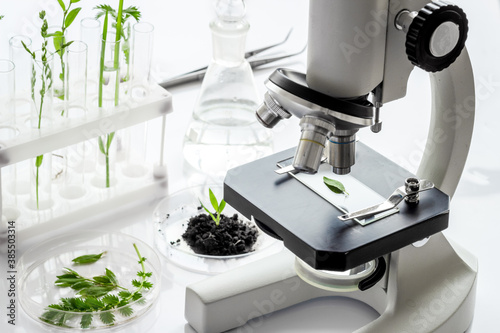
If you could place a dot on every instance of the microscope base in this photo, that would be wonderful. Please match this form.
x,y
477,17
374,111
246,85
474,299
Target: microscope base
x,y
426,289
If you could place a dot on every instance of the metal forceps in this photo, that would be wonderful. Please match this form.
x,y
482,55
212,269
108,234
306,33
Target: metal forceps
x,y
199,74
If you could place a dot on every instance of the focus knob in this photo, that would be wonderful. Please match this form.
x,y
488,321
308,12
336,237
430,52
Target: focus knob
x,y
436,36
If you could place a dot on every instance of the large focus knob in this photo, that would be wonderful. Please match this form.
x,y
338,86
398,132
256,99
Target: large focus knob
x,y
436,36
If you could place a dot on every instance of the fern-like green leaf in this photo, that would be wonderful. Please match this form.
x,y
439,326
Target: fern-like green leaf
x,y
124,294
111,300
107,317
94,303
126,311
86,321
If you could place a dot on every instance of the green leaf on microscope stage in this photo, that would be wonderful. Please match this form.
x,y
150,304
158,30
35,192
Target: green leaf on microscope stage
x,y
334,185
88,258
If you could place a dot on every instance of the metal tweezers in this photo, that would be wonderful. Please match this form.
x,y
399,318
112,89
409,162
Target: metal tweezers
x,y
199,74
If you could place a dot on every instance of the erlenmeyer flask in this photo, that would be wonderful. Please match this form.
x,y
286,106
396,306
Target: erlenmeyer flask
x,y
223,131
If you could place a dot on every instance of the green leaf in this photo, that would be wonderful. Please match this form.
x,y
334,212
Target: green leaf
x,y
124,294
101,145
126,311
66,282
28,50
136,283
88,258
38,161
58,41
102,279
86,320
67,276
110,300
111,276
102,10
63,6
50,317
80,304
107,317
213,200
136,296
222,205
334,185
132,11
71,16
110,139
74,1
70,271
94,303
95,291
147,285
81,285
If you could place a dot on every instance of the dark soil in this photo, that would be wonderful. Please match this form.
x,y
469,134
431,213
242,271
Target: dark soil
x,y
232,235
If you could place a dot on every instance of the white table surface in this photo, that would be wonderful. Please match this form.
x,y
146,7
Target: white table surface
x,y
182,42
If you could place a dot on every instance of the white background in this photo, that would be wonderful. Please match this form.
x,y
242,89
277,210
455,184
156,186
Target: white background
x,y
182,42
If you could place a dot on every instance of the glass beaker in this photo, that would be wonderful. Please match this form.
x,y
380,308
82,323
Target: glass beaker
x,y
223,131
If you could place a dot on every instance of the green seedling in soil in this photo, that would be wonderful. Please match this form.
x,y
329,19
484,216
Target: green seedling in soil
x,y
94,294
218,206
335,186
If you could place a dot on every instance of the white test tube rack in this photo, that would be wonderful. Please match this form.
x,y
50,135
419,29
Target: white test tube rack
x,y
31,143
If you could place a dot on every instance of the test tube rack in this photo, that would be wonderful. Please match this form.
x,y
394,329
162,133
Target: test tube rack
x,y
31,143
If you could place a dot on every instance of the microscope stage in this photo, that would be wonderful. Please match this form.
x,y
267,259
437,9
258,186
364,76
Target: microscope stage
x,y
309,225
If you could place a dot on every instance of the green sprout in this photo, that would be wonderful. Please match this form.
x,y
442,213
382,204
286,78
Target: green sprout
x,y
130,12
218,206
60,45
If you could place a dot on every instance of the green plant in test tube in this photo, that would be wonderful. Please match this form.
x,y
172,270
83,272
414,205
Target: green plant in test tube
x,y
106,10
59,40
46,80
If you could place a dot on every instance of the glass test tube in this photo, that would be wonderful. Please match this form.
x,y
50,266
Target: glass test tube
x,y
90,34
22,60
41,106
7,105
75,80
141,59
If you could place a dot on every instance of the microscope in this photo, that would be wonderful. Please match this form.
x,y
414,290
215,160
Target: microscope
x,y
394,258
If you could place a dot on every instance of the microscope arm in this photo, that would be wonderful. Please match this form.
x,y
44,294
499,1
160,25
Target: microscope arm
x,y
452,121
